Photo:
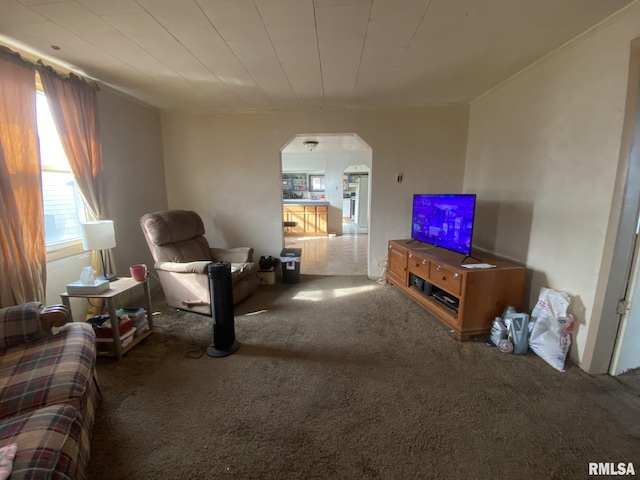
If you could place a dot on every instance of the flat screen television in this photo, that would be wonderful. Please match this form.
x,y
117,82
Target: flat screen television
x,y
444,220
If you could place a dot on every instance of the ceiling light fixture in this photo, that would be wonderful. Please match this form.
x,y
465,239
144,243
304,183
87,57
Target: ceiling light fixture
x,y
310,144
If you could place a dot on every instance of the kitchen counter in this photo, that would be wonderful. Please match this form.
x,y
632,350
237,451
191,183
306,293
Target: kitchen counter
x,y
305,202
305,217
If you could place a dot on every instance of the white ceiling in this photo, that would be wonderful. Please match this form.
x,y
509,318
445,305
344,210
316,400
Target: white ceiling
x,y
266,54
327,143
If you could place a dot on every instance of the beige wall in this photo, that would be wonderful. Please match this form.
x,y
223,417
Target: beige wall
x,y
134,185
543,157
133,172
227,167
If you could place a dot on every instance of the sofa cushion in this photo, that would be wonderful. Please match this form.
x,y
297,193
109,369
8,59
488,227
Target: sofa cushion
x,y
20,324
54,370
242,270
47,443
172,226
192,250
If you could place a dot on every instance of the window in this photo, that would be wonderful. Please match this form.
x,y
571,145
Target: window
x,y
316,183
63,205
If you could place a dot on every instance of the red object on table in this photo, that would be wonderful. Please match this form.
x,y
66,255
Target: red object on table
x,y
125,325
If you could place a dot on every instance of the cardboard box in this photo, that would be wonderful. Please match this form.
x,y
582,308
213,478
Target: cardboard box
x,y
267,277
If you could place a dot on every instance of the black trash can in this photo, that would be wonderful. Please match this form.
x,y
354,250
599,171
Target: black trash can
x,y
290,258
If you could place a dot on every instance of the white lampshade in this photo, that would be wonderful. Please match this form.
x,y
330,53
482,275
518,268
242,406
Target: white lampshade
x,y
98,235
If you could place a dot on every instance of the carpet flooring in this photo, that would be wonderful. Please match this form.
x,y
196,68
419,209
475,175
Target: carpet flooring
x,y
340,377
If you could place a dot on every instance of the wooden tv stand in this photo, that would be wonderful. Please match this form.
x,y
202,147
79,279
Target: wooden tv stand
x,y
465,300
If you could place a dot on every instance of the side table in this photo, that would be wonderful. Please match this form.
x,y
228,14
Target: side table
x,y
121,285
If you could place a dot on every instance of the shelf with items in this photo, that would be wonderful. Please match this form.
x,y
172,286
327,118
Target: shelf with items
x,y
133,326
116,346
436,296
138,317
299,184
465,300
294,182
294,186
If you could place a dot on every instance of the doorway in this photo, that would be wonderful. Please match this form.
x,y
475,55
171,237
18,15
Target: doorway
x,y
318,163
355,207
626,355
619,330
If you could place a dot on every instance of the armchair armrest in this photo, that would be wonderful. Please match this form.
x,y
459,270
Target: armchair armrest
x,y
29,321
232,255
54,316
189,267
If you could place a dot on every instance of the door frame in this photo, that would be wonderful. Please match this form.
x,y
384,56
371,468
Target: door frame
x,y
628,181
626,310
369,152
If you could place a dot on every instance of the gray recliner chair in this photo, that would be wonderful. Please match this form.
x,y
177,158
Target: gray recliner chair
x,y
182,255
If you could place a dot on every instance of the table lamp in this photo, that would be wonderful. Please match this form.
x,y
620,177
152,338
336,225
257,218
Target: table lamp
x,y
99,235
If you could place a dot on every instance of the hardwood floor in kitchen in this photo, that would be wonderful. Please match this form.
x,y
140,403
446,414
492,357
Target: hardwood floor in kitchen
x,y
339,255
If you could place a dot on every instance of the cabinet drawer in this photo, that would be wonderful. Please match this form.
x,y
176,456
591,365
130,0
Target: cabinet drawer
x,y
418,265
447,279
397,265
322,208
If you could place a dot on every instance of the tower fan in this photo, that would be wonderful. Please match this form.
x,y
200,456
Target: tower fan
x,y
224,335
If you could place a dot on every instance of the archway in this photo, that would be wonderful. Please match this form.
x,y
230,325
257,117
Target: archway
x,y
312,168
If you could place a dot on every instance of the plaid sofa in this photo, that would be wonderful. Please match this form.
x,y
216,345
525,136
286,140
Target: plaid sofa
x,y
48,391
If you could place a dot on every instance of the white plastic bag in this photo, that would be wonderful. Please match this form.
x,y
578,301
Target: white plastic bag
x,y
551,333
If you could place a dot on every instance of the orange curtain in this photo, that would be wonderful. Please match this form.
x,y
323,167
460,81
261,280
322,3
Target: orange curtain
x,y
74,106
22,241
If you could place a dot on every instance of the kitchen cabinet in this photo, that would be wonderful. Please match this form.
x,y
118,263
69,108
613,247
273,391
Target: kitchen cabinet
x,y
397,264
294,213
311,219
322,214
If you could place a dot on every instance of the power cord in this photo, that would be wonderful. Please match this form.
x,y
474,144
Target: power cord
x,y
383,274
195,354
